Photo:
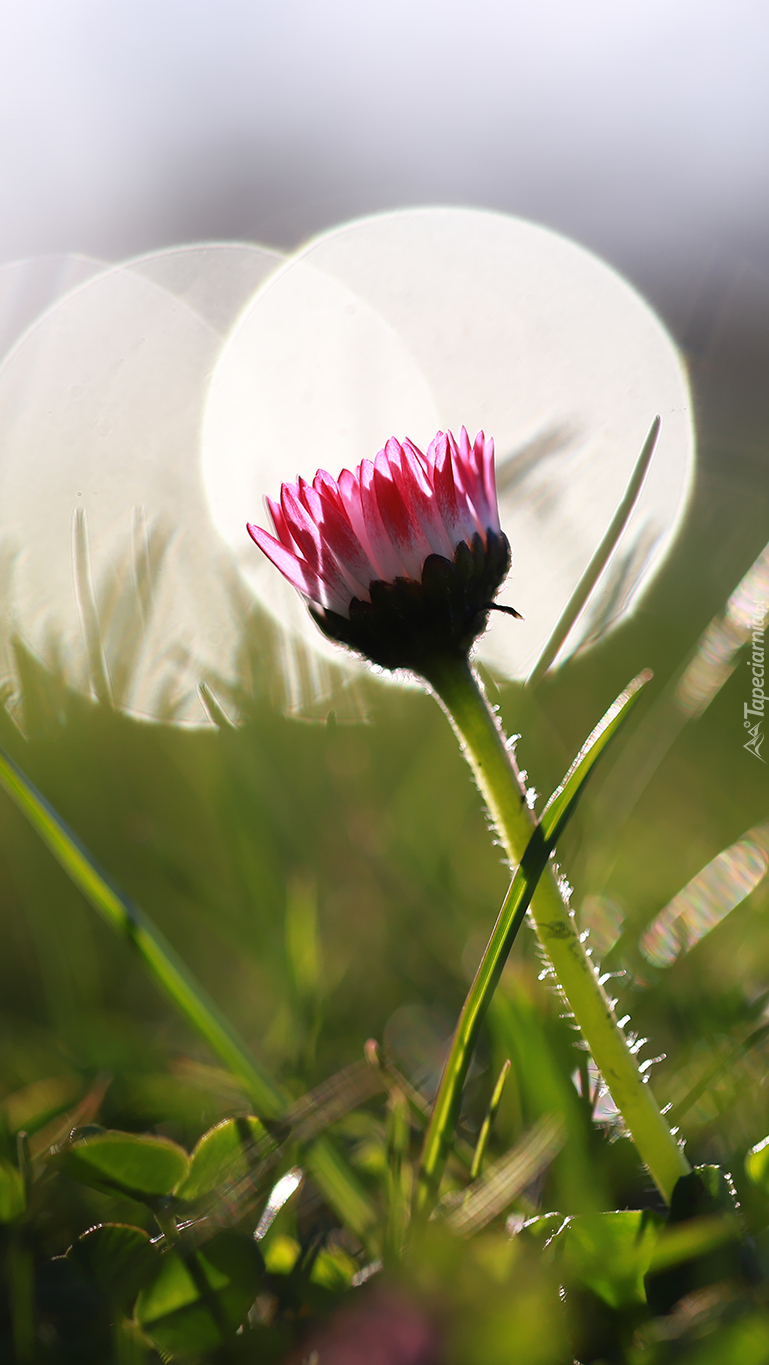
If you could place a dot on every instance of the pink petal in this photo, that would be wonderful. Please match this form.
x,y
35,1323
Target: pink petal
x,y
350,494
306,533
451,500
431,461
422,459
418,494
326,487
328,531
391,455
382,552
469,487
470,474
337,534
485,454
302,486
409,541
302,528
279,522
334,537
345,543
298,574
472,460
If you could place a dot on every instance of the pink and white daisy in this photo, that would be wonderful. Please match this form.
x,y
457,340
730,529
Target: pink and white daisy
x,y
400,559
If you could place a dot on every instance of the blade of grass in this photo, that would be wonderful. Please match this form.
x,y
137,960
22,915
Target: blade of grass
x,y
172,976
398,1134
213,708
684,698
603,554
142,564
135,928
89,613
393,1078
553,821
486,1126
707,1080
343,1191
467,1211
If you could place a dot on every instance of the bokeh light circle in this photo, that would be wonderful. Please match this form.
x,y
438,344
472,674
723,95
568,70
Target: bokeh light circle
x,y
100,407
410,321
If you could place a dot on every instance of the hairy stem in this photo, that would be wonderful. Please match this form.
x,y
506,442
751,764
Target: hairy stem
x,y
496,773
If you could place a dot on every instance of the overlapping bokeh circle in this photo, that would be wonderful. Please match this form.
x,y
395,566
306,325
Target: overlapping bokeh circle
x,y
146,407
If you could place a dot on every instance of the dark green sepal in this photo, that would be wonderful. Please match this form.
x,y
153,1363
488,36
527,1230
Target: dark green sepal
x,y
464,562
410,624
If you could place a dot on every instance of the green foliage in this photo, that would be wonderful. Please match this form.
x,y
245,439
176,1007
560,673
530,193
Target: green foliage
x,y
608,1253
757,1164
129,921
126,1163
489,1293
117,1260
198,1299
13,1197
220,1154
326,883
34,1105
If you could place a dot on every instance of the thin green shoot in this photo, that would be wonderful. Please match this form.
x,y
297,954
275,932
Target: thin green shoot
x,y
213,707
584,589
135,928
488,1121
89,613
467,1211
398,1176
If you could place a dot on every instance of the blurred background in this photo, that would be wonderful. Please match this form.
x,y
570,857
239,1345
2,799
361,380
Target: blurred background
x,y
640,130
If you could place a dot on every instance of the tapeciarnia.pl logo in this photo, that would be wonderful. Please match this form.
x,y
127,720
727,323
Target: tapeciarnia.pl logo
x,y
753,711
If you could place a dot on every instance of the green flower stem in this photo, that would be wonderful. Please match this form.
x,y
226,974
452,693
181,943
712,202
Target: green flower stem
x,y
499,781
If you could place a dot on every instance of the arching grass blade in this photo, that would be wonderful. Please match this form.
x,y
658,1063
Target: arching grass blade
x,y
136,929
172,976
595,568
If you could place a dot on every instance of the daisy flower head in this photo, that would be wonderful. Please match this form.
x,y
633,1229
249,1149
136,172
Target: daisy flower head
x,y
402,559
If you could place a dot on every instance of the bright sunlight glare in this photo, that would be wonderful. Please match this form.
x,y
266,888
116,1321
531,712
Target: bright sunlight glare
x,y
145,408
420,319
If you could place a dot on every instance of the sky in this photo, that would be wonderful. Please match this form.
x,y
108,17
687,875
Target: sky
x,y
638,128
